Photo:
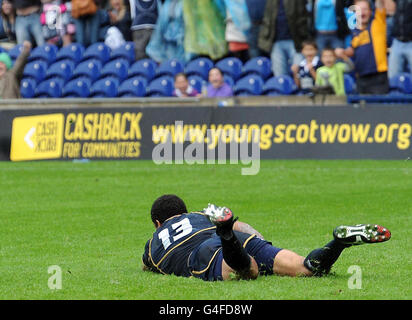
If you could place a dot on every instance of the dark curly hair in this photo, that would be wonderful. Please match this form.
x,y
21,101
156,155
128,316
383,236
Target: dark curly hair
x,y
167,206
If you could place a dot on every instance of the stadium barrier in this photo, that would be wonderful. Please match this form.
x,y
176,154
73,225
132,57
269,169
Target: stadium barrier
x,y
131,128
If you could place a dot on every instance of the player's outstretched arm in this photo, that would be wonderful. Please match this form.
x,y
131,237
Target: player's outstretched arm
x,y
246,228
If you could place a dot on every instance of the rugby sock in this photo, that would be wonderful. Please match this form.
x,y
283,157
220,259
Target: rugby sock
x,y
319,261
233,252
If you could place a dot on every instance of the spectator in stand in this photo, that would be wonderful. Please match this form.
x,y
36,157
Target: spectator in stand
x,y
332,72
10,75
328,23
304,73
8,16
256,9
28,25
401,51
87,21
119,15
56,21
237,40
218,87
368,49
284,28
144,14
182,87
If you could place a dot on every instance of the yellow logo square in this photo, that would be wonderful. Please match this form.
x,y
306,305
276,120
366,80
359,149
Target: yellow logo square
x,y
37,137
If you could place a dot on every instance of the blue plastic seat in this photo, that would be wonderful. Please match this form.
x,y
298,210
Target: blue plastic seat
x,y
117,68
47,52
281,85
350,84
77,88
61,69
90,68
145,68
133,87
126,51
197,82
105,88
169,68
231,66
259,65
35,70
162,87
229,80
401,83
27,88
15,51
50,88
72,52
98,51
249,85
199,67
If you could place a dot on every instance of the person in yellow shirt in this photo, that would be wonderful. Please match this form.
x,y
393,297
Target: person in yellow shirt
x,y
369,48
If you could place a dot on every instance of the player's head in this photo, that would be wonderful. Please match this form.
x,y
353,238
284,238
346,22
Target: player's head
x,y
165,207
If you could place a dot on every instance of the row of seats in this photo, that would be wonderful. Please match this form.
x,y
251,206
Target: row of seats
x,y
98,71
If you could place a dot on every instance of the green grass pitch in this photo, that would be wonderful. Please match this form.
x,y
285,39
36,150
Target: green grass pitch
x,y
92,220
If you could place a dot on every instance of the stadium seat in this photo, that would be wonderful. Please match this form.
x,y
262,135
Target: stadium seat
x,y
259,65
197,82
27,88
72,51
229,80
350,84
281,85
50,88
118,68
47,52
90,68
77,88
97,51
231,66
61,69
125,51
133,87
249,85
145,68
35,70
199,67
401,83
105,88
162,86
15,51
169,68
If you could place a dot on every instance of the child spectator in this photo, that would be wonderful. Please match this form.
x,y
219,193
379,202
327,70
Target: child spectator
x,y
218,87
120,18
369,49
10,75
144,14
183,88
332,72
56,21
28,21
8,17
304,74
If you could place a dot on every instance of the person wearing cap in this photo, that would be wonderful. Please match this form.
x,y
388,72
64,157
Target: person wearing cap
x,y
10,75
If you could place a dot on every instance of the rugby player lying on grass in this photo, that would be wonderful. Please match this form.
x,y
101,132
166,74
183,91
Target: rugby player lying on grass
x,y
212,245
